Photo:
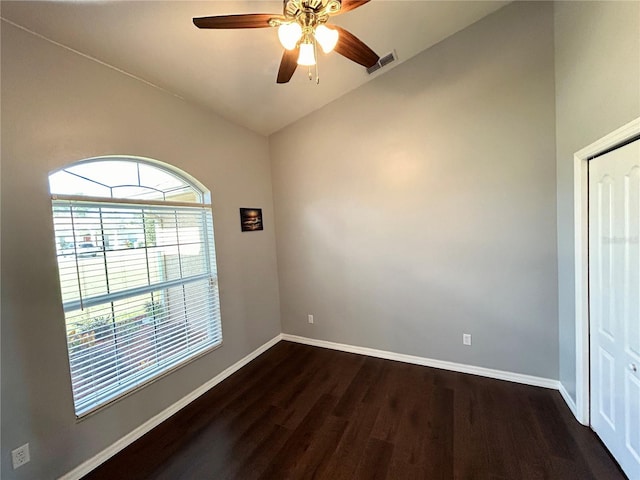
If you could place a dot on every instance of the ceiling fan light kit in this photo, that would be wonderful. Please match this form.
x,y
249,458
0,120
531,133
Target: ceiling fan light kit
x,y
289,34
326,37
302,27
307,55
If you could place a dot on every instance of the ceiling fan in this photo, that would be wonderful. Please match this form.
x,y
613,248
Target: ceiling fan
x,y
301,28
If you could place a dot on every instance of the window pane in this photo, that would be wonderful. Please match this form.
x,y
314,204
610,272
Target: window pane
x,y
120,344
65,183
91,335
108,172
183,194
167,230
92,275
127,269
159,179
140,193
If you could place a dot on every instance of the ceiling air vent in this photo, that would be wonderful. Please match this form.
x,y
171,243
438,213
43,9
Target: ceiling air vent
x,y
386,60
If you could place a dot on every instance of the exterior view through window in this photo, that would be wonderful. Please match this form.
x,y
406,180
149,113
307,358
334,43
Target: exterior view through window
x,y
136,257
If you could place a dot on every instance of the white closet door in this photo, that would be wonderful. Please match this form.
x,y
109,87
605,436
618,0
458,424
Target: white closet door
x,y
614,296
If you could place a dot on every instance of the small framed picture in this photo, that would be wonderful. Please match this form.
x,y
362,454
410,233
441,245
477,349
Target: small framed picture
x,y
250,219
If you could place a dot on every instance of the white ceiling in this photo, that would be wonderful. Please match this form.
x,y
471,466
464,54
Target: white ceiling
x,y
233,72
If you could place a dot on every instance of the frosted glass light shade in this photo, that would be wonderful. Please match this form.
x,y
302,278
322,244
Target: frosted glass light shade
x,y
307,55
326,37
289,34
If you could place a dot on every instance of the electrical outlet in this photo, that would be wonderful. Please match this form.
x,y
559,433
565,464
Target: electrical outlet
x,y
20,456
466,338
310,318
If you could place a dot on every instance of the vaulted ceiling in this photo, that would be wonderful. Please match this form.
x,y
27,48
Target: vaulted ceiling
x,y
233,72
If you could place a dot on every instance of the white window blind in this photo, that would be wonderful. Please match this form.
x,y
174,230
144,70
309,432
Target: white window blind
x,y
139,291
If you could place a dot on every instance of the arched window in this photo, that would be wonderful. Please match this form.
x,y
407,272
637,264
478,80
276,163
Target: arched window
x,y
136,257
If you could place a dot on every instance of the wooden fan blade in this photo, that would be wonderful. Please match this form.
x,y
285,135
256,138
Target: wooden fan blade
x,y
348,5
288,65
248,20
354,49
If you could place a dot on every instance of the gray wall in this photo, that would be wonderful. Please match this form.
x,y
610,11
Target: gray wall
x,y
421,206
597,67
58,107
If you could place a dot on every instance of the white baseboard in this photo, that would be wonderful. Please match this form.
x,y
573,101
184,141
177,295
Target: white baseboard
x,y
429,362
569,401
85,467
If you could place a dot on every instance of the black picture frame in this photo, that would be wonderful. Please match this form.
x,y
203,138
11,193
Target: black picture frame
x,y
251,219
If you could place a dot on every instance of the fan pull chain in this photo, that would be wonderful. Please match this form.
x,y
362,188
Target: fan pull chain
x,y
315,52
309,72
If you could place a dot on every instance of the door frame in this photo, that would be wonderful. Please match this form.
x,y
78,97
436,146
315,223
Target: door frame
x,y
581,250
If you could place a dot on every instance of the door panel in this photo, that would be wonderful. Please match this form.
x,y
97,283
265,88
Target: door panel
x,y
632,253
632,392
606,366
605,256
614,297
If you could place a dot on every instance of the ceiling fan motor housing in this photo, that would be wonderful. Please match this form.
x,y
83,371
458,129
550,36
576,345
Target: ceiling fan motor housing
x,y
310,11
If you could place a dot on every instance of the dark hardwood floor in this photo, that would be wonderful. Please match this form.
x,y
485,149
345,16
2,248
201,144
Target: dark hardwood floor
x,y
300,412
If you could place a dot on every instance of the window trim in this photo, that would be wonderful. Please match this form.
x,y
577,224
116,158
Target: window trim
x,y
126,201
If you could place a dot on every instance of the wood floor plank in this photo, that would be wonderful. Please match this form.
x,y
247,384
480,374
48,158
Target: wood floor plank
x,y
346,458
294,454
369,370
534,460
298,394
495,408
399,390
375,461
470,443
301,412
254,466
440,436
